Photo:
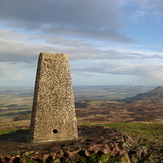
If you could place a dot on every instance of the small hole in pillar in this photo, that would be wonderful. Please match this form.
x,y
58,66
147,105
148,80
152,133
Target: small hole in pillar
x,y
55,131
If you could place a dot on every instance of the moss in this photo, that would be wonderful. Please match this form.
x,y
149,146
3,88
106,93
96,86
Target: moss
x,y
97,158
56,160
26,156
104,158
6,131
125,159
144,132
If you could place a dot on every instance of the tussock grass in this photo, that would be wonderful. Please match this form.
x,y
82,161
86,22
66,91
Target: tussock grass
x,y
6,131
148,129
146,134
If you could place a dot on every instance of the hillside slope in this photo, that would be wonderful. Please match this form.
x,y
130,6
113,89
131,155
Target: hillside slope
x,y
155,94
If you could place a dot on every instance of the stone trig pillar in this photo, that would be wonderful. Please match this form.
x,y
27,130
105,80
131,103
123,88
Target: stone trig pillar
x,y
53,113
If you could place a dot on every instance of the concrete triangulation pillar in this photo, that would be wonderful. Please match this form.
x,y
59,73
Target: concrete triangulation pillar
x,y
53,113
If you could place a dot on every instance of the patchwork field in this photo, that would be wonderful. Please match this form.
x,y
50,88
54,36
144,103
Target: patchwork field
x,y
16,106
15,102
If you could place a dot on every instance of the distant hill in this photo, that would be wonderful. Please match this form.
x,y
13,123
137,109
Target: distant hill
x,y
155,94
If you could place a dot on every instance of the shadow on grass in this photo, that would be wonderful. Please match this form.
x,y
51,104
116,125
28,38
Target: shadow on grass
x,y
20,135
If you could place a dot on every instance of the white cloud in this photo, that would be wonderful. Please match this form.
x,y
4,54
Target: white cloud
x,y
7,34
12,50
65,41
136,15
156,74
90,32
94,20
142,4
143,8
149,71
16,74
15,77
158,13
11,71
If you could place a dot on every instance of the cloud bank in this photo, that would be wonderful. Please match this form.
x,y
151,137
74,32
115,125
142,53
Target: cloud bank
x,y
89,19
91,32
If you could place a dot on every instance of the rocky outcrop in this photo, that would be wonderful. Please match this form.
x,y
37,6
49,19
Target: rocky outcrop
x,y
145,154
95,144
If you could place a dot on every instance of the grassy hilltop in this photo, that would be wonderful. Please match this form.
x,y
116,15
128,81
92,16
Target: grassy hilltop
x,y
137,114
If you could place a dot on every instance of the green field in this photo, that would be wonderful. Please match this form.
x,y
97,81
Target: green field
x,y
144,134
6,131
153,130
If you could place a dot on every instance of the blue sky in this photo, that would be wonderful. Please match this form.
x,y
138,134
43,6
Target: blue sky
x,y
109,42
